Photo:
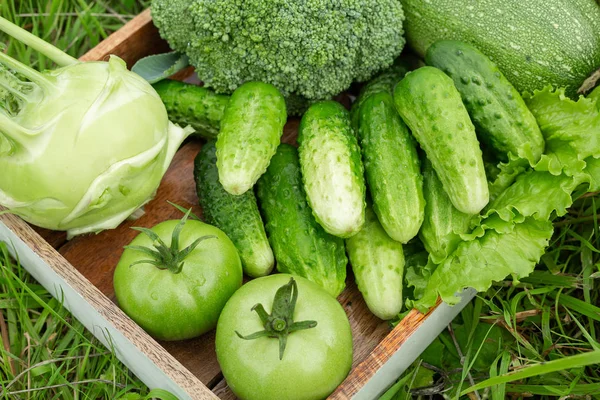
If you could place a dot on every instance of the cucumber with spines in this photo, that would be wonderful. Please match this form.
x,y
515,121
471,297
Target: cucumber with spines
x,y
251,130
237,216
193,105
378,265
501,118
391,167
430,105
332,170
300,244
384,82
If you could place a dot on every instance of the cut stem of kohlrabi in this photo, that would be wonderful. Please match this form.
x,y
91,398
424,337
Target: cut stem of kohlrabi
x,y
58,56
24,70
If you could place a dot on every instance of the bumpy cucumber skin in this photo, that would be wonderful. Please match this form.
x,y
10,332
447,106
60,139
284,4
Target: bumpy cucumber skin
x,y
378,265
535,43
432,108
300,244
251,130
499,113
443,223
332,170
237,216
188,104
392,167
384,82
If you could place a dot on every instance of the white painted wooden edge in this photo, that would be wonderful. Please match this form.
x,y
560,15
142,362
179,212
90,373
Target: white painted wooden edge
x,y
412,348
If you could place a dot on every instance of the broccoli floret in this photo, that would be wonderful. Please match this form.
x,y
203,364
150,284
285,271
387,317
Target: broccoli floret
x,y
312,48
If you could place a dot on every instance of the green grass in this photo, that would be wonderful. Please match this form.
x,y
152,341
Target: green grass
x,y
535,338
46,353
74,26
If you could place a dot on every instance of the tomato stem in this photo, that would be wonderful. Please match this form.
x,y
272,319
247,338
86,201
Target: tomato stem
x,y
163,256
280,323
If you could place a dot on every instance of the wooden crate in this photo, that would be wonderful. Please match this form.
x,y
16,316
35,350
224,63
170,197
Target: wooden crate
x,y
81,270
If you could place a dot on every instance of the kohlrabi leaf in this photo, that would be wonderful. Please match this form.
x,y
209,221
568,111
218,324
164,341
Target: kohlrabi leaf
x,y
571,130
160,66
491,257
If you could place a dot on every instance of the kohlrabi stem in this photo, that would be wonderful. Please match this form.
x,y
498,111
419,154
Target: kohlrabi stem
x,y
11,129
15,86
28,72
29,39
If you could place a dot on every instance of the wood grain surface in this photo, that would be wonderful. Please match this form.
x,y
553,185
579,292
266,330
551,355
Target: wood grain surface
x,y
94,257
138,38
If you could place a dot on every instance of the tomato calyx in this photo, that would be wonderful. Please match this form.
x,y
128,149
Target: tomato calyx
x,y
280,323
163,256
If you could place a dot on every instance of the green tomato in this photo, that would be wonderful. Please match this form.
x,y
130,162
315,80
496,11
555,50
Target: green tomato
x,y
315,359
173,295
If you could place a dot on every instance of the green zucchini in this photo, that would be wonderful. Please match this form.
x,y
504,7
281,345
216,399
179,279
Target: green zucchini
x,y
535,43
251,130
332,169
443,223
378,265
237,216
193,105
432,108
499,113
300,244
392,167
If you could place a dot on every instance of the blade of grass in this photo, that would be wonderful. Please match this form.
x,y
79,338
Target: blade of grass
x,y
579,360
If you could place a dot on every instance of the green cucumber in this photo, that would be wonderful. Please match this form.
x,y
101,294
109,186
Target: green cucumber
x,y
499,113
251,130
378,265
430,105
300,244
384,82
332,170
392,167
193,105
443,224
535,43
237,216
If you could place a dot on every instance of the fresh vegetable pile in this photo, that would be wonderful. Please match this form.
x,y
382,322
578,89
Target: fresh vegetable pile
x,y
440,177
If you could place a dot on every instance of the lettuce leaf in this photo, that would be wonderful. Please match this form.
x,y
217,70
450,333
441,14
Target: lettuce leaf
x,y
571,130
534,194
418,271
491,257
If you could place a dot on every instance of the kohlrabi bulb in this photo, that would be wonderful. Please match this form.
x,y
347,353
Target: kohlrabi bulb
x,y
86,147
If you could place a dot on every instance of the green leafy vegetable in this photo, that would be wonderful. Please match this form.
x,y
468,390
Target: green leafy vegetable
x,y
571,130
491,257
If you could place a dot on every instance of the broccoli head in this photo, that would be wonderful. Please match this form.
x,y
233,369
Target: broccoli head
x,y
311,48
